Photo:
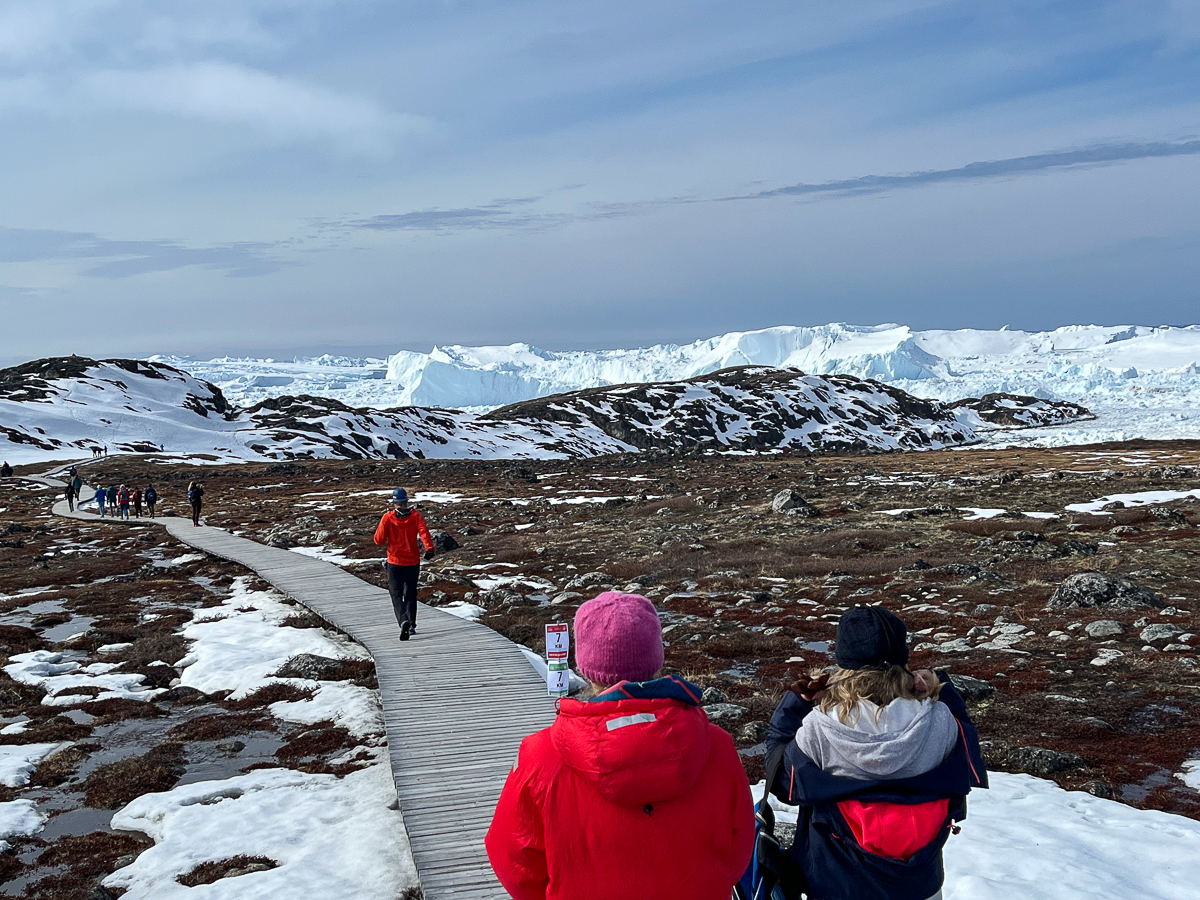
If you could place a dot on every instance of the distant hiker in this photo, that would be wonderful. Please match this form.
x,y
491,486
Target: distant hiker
x,y
106,449
136,496
101,496
123,501
403,531
70,492
6,470
879,760
195,495
77,486
631,794
151,497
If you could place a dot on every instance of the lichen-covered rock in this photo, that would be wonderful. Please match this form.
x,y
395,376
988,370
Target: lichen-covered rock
x,y
973,689
1152,634
1033,760
1093,590
442,541
790,502
1104,628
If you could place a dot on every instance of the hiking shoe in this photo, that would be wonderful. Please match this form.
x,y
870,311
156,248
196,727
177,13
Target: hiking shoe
x,y
405,630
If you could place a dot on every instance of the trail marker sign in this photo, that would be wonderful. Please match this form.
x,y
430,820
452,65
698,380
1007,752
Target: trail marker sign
x,y
558,645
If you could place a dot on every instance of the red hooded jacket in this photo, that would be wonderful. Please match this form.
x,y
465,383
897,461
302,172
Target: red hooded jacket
x,y
403,536
618,799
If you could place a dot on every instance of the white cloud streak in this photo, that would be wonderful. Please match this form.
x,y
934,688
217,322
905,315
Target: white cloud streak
x,y
225,92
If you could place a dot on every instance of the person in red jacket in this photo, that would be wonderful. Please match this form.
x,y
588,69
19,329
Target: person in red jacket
x,y
628,795
403,531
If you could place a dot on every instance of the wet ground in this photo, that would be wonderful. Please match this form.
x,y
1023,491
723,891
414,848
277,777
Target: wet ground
x,y
102,602
968,546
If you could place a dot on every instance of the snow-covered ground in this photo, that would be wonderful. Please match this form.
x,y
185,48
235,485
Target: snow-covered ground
x,y
1028,838
1141,381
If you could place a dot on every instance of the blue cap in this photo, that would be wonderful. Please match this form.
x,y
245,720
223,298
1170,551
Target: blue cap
x,y
400,496
870,637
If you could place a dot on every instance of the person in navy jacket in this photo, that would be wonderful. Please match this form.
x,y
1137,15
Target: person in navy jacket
x,y
880,761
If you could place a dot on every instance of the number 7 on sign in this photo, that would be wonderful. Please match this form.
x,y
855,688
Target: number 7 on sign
x,y
558,640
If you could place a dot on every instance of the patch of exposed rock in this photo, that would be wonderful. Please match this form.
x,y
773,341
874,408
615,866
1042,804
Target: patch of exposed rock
x,y
1093,590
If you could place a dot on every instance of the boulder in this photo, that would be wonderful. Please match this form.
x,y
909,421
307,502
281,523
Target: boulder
x,y
442,542
1104,628
790,502
713,695
1093,590
1152,634
720,711
973,689
1034,760
1169,514
753,732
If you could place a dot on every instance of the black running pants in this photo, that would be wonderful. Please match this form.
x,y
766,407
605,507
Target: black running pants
x,y
402,585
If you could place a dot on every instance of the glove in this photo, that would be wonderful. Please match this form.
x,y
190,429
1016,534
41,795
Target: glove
x,y
429,554
810,687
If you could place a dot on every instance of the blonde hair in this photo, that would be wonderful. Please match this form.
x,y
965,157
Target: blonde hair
x,y
846,687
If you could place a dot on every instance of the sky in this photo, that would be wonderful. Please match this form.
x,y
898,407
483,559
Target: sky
x,y
293,177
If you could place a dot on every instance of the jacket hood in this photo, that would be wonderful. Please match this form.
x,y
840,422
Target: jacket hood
x,y
905,738
635,751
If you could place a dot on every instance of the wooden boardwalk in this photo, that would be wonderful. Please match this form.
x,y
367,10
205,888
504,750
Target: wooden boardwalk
x,y
457,700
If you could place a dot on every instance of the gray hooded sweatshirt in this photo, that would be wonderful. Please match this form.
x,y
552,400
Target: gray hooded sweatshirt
x,y
905,738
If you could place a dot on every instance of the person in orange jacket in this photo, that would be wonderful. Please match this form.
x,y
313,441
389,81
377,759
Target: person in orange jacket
x,y
630,794
403,531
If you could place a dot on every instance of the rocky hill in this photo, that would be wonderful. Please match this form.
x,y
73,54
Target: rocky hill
x,y
753,408
69,405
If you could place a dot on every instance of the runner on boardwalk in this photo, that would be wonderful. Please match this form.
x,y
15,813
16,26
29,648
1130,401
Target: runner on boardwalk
x,y
403,531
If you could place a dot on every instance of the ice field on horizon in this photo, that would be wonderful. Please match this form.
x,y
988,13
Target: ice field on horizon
x,y
1141,381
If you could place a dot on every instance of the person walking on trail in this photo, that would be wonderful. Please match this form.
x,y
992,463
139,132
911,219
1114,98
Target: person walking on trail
x,y
151,498
70,492
123,501
6,470
136,496
630,794
195,495
101,496
880,760
112,499
77,486
403,531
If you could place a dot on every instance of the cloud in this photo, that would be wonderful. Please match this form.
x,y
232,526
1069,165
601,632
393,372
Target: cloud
x,y
125,258
225,92
505,214
1098,155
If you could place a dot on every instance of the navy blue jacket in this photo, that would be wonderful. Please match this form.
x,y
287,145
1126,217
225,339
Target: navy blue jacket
x,y
825,849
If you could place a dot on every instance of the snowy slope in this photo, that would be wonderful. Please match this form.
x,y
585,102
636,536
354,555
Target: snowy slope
x,y
62,407
1140,381
754,408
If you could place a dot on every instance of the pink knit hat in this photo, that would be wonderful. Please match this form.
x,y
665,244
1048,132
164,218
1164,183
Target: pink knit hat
x,y
618,638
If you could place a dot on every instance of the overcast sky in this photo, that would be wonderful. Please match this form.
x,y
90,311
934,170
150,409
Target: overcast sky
x,y
281,177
